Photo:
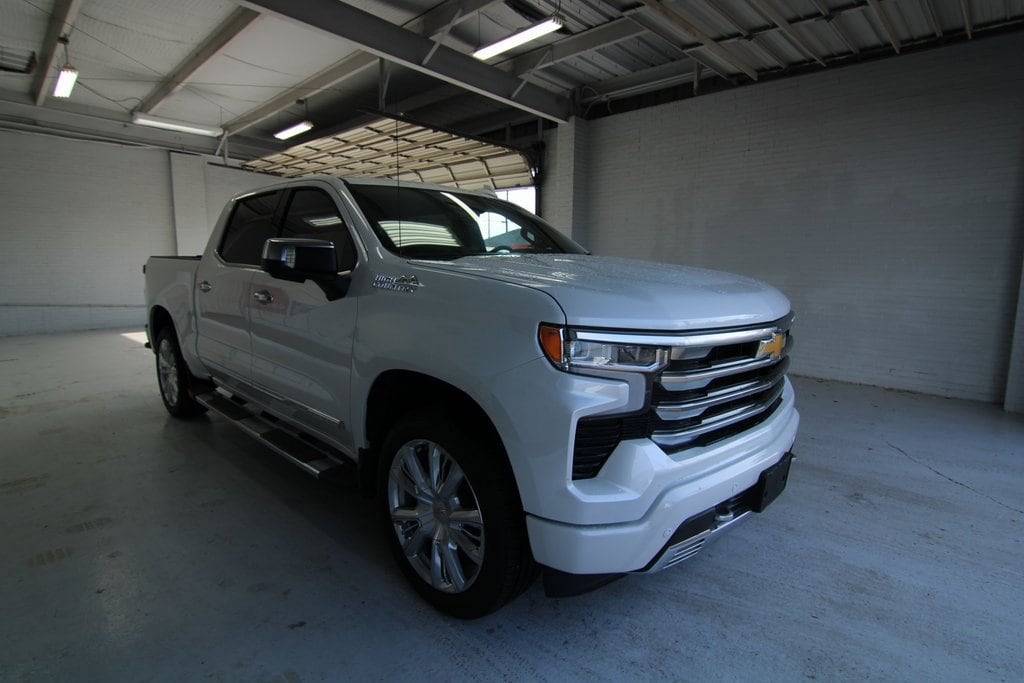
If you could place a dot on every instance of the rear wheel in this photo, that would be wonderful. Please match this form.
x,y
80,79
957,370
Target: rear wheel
x,y
455,523
173,377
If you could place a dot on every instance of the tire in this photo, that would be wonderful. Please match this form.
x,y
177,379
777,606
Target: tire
x,y
452,515
173,377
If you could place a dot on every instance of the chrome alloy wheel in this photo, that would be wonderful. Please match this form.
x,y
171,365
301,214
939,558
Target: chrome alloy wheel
x,y
167,367
436,516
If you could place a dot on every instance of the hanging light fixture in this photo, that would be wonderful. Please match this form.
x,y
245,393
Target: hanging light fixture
x,y
298,128
179,126
549,25
67,76
292,131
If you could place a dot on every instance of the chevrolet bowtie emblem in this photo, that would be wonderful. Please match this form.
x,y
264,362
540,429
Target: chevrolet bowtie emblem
x,y
772,347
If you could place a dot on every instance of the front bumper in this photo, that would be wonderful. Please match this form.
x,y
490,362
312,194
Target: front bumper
x,y
721,473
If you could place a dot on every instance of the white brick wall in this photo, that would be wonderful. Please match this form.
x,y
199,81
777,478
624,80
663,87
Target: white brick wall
x,y
886,199
79,220
73,247
563,195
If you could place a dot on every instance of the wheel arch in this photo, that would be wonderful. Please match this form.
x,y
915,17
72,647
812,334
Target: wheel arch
x,y
397,392
159,319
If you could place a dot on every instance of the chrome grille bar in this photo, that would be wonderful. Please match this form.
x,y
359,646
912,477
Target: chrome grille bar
x,y
678,381
711,339
671,439
688,409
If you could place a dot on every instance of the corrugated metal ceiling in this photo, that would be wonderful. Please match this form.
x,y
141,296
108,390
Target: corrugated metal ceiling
x,y
608,50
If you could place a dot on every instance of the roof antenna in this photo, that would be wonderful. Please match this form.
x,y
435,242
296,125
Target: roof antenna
x,y
398,185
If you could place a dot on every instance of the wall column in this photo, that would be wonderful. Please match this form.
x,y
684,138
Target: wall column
x,y
1014,400
564,182
188,193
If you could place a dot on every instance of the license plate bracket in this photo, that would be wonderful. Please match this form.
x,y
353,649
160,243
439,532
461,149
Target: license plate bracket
x,y
771,483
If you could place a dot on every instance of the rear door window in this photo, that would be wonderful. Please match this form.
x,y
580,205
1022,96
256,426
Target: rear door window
x,y
251,225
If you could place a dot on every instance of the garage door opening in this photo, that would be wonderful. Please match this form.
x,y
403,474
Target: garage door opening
x,y
398,149
524,197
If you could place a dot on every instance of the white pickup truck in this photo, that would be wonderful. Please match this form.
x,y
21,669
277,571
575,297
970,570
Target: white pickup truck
x,y
515,405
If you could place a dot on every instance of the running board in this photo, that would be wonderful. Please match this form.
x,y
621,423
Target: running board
x,y
313,456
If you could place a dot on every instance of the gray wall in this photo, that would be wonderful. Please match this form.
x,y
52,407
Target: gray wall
x,y
80,218
886,199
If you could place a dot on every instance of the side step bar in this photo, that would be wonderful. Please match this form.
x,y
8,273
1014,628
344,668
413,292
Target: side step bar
x,y
313,456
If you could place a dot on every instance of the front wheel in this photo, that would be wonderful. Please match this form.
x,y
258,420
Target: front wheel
x,y
173,377
453,516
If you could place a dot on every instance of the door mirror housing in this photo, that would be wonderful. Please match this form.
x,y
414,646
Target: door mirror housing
x,y
298,259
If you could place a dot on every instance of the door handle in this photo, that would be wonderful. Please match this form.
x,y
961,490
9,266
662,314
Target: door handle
x,y
263,296
205,286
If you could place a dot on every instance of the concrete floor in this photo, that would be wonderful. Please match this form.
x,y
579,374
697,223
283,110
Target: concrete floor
x,y
138,547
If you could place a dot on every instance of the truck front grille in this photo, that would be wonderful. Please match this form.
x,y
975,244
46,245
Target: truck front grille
x,y
710,392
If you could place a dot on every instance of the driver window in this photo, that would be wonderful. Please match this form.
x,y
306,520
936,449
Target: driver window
x,y
313,214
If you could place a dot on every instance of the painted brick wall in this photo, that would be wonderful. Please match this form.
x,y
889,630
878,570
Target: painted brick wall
x,y
563,197
73,247
80,218
886,199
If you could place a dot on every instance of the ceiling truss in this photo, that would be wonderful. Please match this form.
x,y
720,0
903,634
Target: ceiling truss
x,y
402,46
430,24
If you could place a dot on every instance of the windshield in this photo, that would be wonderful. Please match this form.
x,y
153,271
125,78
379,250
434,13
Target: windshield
x,y
435,224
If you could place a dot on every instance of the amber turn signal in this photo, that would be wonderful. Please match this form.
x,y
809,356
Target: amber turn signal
x,y
552,342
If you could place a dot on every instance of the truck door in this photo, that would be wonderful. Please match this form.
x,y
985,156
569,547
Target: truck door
x,y
223,286
301,341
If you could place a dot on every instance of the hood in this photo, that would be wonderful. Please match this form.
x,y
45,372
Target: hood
x,y
599,291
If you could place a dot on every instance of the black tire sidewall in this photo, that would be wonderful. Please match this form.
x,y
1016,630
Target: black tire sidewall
x,y
186,406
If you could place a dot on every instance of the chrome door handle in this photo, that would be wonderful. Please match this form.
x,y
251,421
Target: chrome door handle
x,y
263,296
205,286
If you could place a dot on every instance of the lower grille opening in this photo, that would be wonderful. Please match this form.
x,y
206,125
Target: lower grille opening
x,y
596,438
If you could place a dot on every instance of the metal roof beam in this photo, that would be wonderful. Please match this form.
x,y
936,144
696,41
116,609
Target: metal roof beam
x,y
933,18
655,77
453,12
672,39
61,18
836,26
707,41
965,7
322,80
592,39
883,17
399,45
728,18
427,24
725,16
787,28
203,53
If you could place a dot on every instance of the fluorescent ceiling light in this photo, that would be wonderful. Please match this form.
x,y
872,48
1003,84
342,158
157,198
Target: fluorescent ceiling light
x,y
292,131
180,126
65,81
324,222
516,39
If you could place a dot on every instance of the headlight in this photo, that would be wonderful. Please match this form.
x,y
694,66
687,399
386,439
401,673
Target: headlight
x,y
580,350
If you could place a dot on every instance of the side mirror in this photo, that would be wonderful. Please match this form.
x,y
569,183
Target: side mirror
x,y
298,260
